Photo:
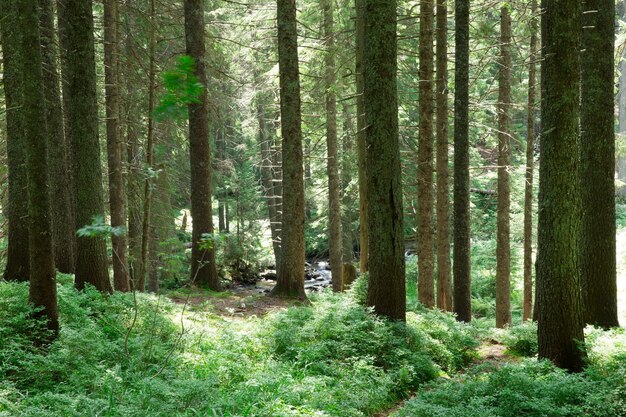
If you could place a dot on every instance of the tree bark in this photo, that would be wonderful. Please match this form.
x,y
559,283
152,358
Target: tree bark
x,y
530,167
117,194
361,137
386,290
425,243
42,292
60,185
560,321
290,283
76,23
203,268
444,278
461,266
17,267
335,236
503,249
597,156
146,235
346,197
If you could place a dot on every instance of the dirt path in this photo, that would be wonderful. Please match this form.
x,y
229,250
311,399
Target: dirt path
x,y
240,302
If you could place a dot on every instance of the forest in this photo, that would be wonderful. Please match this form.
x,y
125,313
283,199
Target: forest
x,y
313,208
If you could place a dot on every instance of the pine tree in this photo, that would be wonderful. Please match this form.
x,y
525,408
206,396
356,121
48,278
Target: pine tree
x,y
77,41
444,279
17,266
334,199
203,268
597,156
425,244
386,289
503,250
291,280
461,266
559,314
42,292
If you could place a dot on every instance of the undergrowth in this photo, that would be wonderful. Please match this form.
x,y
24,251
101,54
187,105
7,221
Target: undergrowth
x,y
332,358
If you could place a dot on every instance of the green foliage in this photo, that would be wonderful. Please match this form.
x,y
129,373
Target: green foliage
x,y
332,358
100,229
522,339
181,89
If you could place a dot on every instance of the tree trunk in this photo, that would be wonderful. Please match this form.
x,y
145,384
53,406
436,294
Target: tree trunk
x,y
346,197
560,321
114,145
425,244
597,156
386,290
503,249
76,23
148,186
60,186
268,179
461,266
291,280
17,267
335,237
530,167
361,136
444,279
203,268
42,292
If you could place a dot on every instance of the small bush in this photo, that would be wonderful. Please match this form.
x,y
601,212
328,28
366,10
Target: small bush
x,y
522,339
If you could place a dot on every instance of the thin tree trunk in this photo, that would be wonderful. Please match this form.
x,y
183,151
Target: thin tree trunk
x,y
461,266
346,175
530,166
335,237
425,244
560,321
291,279
203,268
386,290
147,193
60,187
597,156
444,278
361,136
42,292
76,23
114,144
17,267
503,249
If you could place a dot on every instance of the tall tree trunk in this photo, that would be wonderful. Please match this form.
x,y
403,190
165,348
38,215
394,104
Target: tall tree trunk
x,y
503,249
134,191
291,280
621,159
386,290
268,179
425,244
203,268
335,237
346,174
444,278
42,292
530,167
461,254
220,154
148,186
114,144
60,187
361,136
597,156
76,22
17,267
560,321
